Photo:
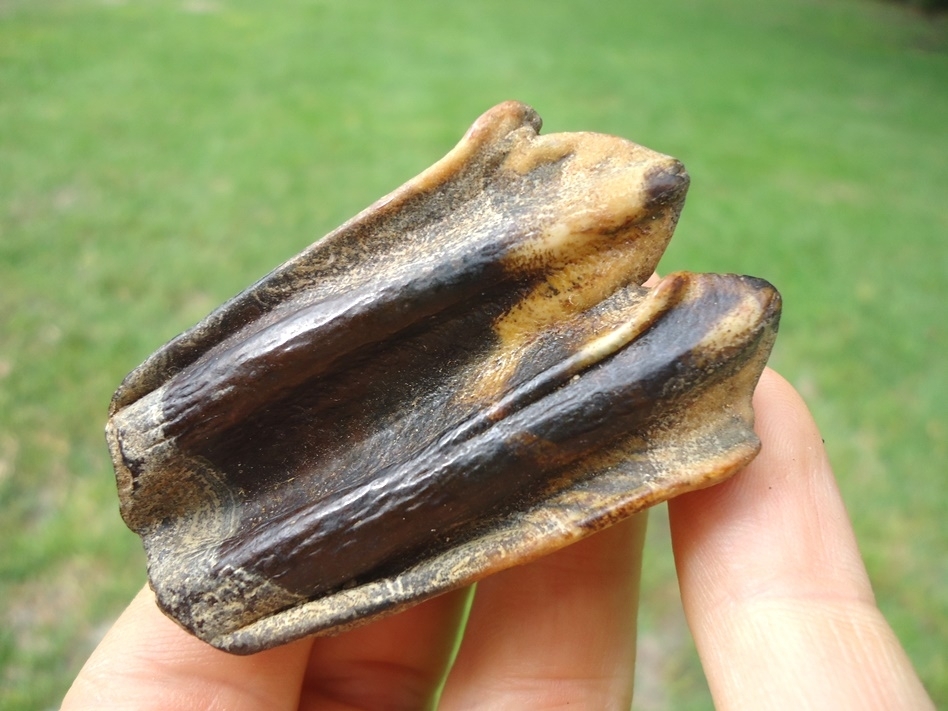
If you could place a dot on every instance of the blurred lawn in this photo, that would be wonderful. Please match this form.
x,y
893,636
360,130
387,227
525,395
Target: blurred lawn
x,y
156,156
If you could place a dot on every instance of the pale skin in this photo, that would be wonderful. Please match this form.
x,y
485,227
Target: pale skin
x,y
773,586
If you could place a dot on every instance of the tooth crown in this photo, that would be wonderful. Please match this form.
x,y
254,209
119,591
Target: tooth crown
x,y
465,376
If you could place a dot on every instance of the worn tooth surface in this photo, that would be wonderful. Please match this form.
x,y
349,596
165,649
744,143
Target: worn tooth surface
x,y
465,376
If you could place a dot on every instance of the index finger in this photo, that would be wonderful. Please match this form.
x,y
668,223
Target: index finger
x,y
773,586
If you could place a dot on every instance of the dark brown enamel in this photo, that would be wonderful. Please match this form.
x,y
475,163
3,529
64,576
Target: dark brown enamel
x,y
463,377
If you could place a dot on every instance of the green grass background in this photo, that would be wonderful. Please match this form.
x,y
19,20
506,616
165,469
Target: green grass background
x,y
156,156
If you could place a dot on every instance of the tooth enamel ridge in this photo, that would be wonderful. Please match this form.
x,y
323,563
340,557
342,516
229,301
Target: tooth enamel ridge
x,y
467,375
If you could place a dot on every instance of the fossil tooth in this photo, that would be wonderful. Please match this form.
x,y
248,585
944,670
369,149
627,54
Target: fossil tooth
x,y
465,376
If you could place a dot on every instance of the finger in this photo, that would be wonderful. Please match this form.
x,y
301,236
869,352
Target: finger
x,y
773,586
555,632
147,662
396,663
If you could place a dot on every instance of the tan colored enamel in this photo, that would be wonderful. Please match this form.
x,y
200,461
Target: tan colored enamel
x,y
603,235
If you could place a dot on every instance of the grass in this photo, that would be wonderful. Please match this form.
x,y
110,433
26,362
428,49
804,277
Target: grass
x,y
158,156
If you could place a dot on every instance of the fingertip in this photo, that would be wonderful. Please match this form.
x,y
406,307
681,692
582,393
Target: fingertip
x,y
558,631
652,280
395,662
785,425
774,588
146,661
779,522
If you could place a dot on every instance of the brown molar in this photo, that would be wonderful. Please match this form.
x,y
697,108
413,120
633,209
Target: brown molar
x,y
464,377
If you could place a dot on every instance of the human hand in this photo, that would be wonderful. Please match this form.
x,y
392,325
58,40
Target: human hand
x,y
773,586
